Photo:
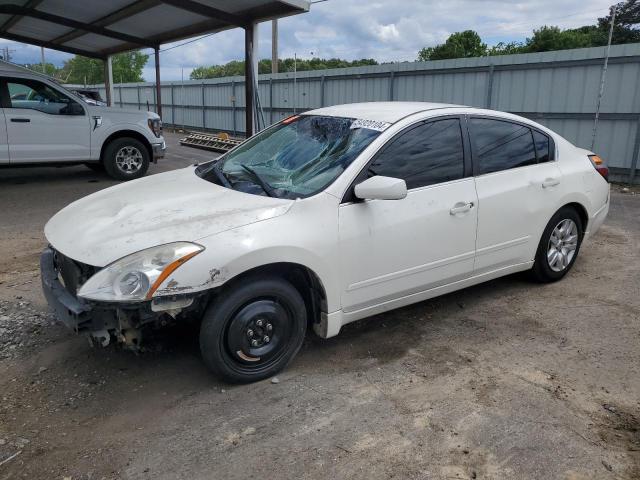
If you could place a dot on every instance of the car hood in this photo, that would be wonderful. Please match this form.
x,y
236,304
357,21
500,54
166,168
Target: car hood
x,y
163,208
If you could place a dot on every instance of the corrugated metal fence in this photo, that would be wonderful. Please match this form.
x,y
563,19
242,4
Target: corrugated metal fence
x,y
558,89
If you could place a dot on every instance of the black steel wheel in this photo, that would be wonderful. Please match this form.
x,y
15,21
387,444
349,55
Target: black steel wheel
x,y
253,329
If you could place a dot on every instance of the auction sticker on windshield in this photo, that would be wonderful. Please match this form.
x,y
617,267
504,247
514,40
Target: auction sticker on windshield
x,y
370,124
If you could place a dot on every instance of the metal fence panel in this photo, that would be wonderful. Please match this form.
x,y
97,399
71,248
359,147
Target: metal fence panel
x,y
558,89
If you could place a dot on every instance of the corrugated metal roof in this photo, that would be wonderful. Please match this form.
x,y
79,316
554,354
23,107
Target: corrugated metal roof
x,y
97,28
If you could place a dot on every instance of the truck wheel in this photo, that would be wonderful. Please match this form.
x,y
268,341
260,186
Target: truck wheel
x,y
252,330
126,159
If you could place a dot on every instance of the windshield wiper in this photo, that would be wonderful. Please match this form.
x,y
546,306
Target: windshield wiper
x,y
220,175
268,189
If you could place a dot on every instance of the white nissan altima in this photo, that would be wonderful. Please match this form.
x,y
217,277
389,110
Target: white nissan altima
x,y
322,219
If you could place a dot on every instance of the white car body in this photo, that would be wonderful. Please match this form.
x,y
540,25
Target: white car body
x,y
32,136
369,256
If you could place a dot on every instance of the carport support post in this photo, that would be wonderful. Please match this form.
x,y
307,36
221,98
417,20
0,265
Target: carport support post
x,y
249,79
156,53
108,80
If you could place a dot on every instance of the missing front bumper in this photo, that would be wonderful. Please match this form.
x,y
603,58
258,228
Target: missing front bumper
x,y
104,321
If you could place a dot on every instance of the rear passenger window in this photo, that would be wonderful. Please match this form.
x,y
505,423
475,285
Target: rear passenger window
x,y
542,146
425,155
500,145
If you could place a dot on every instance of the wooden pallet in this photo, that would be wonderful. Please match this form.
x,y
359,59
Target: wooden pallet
x,y
220,142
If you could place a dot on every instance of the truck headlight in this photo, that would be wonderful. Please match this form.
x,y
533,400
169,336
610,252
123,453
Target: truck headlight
x,y
155,124
136,277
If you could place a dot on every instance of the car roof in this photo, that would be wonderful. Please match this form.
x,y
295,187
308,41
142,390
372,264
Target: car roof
x,y
390,112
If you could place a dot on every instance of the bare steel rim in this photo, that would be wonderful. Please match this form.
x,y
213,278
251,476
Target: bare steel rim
x,y
563,244
129,159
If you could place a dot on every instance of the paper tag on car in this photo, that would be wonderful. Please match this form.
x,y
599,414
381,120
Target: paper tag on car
x,y
370,124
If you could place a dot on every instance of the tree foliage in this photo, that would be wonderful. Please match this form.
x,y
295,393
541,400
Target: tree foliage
x,y
545,39
458,45
236,68
127,67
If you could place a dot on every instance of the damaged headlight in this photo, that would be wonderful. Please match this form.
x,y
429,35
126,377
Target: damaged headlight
x,y
137,276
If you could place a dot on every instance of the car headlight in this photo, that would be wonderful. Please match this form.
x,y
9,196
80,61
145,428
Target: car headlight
x,y
136,277
155,124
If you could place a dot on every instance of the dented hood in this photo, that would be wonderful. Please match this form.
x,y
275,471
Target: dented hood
x,y
168,207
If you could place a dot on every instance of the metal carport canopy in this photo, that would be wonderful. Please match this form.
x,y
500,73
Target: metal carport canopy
x,y
99,28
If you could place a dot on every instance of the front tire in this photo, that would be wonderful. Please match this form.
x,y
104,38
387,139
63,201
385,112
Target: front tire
x,y
559,246
252,330
126,159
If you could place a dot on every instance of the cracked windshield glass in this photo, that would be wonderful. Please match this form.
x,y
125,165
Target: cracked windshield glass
x,y
296,158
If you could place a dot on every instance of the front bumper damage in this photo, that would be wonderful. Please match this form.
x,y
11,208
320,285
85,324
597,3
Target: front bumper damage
x,y
106,321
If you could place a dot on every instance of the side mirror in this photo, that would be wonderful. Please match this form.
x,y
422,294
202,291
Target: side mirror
x,y
72,108
381,188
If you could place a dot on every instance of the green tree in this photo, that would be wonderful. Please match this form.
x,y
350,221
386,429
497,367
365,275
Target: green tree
x,y
127,68
547,39
458,45
49,69
235,67
509,48
626,28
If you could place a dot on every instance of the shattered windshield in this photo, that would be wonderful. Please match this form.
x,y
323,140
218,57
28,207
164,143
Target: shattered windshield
x,y
296,158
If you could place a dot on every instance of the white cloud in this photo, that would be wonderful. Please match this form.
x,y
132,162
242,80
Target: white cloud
x,y
386,31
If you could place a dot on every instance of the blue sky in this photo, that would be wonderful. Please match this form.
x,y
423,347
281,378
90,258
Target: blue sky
x,y
385,30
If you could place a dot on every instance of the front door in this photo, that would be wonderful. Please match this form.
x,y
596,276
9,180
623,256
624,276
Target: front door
x,y
393,248
44,124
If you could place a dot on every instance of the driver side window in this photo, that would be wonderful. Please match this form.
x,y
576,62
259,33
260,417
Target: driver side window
x,y
424,155
35,95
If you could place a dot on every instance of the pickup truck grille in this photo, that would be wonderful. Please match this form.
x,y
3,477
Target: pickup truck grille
x,y
71,273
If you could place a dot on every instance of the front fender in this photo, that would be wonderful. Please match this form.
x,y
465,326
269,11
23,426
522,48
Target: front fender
x,y
210,270
100,134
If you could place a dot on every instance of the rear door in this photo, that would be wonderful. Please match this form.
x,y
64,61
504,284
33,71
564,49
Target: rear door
x,y
519,187
43,123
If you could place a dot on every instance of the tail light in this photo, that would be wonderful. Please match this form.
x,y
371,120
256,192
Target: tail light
x,y
598,163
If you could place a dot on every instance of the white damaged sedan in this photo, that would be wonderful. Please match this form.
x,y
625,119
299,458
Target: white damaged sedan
x,y
322,219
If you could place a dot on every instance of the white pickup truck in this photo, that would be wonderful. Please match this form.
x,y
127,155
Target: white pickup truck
x,y
45,124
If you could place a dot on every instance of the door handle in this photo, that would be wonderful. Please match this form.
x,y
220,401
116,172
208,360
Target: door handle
x,y
550,182
461,207
21,120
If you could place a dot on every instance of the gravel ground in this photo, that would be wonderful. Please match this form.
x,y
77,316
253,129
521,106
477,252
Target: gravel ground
x,y
504,380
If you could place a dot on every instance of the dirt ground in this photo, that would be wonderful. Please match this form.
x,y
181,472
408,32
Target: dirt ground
x,y
506,380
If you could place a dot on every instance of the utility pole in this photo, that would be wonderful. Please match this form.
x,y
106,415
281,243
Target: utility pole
x,y
6,54
602,77
295,81
274,46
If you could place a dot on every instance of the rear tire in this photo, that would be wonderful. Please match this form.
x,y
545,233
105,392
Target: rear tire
x,y
559,246
253,329
126,159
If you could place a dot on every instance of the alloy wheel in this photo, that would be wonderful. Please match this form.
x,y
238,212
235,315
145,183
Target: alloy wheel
x,y
563,245
129,160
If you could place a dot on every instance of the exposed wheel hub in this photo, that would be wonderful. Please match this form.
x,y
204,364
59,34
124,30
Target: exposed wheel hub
x,y
259,331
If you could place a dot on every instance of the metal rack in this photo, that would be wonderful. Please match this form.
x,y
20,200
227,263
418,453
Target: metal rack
x,y
220,142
